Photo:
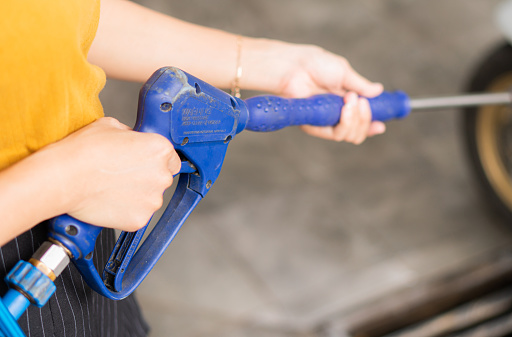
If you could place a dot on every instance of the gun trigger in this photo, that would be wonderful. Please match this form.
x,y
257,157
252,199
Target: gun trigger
x,y
187,167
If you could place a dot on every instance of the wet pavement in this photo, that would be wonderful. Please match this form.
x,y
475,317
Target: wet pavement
x,y
299,232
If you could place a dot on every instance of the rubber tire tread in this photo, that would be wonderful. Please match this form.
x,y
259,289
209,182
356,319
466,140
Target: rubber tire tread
x,y
496,64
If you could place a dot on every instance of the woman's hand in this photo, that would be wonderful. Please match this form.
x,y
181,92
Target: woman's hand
x,y
301,71
119,175
104,174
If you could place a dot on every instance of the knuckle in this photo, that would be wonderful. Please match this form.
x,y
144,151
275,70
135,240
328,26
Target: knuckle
x,y
137,222
312,48
143,218
359,141
156,202
166,179
339,133
110,121
174,164
159,140
339,137
160,144
316,49
343,63
350,139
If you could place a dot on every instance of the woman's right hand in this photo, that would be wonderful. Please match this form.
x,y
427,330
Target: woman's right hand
x,y
116,176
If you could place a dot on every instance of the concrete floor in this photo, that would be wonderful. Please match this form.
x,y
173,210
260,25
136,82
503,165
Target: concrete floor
x,y
299,232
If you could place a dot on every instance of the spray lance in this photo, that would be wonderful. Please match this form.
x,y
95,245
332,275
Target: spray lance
x,y
200,121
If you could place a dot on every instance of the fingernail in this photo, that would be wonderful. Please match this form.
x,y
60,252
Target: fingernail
x,y
351,100
348,111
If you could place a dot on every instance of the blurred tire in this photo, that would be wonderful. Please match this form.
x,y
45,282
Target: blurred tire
x,y
487,132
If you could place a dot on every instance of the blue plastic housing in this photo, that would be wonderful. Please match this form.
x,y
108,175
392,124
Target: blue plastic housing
x,y
200,121
271,113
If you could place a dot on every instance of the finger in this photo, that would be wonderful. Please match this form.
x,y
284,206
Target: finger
x,y
365,118
174,163
319,131
376,128
341,130
353,81
361,124
348,118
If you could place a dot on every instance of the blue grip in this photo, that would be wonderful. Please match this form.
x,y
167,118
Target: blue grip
x,y
271,113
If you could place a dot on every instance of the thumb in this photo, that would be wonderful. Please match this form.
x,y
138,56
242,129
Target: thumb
x,y
353,81
174,163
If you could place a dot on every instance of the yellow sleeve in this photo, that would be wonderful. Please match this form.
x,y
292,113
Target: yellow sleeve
x,y
47,88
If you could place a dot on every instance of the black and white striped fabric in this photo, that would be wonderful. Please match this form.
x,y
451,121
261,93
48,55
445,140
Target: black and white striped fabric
x,y
75,309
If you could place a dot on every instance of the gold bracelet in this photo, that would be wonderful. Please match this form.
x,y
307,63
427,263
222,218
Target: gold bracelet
x,y
235,88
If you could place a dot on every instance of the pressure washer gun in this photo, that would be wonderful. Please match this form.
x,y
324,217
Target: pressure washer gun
x,y
200,121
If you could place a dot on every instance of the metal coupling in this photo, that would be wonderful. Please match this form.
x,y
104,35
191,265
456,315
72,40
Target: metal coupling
x,y
51,259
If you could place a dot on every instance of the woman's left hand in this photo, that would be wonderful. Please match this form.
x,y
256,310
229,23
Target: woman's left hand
x,y
299,71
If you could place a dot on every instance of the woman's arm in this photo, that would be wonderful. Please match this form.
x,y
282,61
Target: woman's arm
x,y
133,41
31,191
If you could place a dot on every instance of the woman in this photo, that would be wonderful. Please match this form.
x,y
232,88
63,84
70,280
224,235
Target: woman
x,y
59,155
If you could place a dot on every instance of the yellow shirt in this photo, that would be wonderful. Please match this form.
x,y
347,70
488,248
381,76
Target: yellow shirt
x,y
47,88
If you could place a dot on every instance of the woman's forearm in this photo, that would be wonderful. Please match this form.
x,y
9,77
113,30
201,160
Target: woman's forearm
x,y
31,191
133,41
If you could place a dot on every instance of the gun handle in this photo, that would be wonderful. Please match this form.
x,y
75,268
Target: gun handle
x,y
271,113
126,269
200,122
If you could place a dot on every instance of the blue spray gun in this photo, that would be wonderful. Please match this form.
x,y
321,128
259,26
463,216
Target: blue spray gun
x,y
200,121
